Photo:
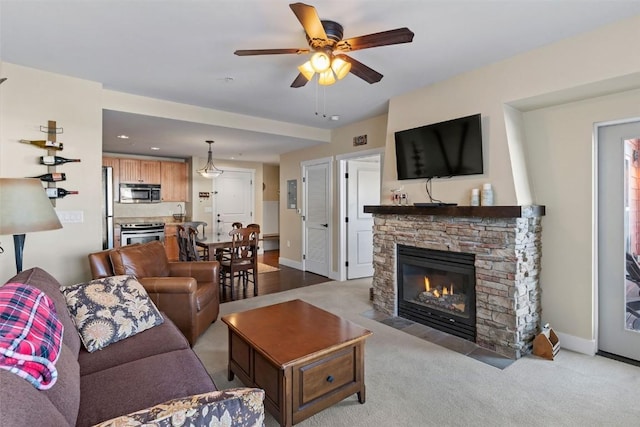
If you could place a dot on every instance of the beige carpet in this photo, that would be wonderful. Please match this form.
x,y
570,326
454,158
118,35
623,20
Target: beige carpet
x,y
266,268
412,382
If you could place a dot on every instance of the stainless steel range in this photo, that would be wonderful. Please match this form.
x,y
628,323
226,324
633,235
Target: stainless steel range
x,y
141,232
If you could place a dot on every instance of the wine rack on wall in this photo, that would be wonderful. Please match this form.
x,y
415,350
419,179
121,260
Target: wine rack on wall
x,y
52,160
52,132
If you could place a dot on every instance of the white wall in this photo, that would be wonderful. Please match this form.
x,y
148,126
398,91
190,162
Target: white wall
x,y
561,81
560,146
28,99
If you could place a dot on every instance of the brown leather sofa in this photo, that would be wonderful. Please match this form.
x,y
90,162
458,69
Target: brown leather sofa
x,y
187,292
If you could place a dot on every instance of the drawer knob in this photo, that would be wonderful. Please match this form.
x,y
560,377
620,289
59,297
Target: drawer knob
x,y
330,379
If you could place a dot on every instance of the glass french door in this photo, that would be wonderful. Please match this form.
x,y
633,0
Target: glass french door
x,y
618,250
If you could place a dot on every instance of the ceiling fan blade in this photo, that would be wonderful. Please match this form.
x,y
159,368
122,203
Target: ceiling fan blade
x,y
385,38
249,52
310,21
367,74
300,81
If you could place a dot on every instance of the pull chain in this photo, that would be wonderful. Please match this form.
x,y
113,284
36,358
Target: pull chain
x,y
324,98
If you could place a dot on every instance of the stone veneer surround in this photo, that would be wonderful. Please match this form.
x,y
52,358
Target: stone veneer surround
x,y
506,242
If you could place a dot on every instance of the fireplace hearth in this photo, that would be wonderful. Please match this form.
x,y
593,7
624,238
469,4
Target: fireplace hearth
x,y
437,289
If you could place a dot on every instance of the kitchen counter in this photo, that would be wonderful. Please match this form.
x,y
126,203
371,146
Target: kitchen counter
x,y
167,220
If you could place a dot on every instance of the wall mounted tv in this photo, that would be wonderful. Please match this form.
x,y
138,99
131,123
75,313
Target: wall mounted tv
x,y
444,149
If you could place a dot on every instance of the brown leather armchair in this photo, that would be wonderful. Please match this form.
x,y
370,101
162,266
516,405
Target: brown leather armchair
x,y
187,292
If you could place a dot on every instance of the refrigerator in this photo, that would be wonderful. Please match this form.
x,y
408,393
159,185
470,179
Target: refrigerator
x,y
107,207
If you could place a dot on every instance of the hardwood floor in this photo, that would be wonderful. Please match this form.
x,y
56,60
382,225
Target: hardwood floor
x,y
276,281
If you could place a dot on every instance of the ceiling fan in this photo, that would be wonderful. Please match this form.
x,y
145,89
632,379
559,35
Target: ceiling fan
x,y
326,43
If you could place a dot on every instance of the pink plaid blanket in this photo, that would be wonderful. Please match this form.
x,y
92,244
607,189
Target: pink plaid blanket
x,y
30,334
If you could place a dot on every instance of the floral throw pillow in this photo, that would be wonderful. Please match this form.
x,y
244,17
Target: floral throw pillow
x,y
237,407
109,310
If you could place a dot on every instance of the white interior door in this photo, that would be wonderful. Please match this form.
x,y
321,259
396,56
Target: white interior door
x,y
234,201
618,296
317,217
363,188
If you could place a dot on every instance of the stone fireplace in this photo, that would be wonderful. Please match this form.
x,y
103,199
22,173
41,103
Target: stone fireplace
x,y
437,289
504,243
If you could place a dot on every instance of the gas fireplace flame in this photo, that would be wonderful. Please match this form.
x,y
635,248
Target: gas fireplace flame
x,y
436,292
439,295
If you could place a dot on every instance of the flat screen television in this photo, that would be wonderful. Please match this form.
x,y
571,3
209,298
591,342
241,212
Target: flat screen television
x,y
444,149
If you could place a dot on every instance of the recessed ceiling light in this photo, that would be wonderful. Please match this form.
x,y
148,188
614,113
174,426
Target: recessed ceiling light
x,y
155,148
123,136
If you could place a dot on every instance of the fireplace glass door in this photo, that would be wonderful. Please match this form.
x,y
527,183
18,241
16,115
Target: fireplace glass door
x,y
437,288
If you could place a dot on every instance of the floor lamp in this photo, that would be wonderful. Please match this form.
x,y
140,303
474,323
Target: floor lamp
x,y
24,207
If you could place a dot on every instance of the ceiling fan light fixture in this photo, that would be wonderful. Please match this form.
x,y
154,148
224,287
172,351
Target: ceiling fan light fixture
x,y
306,70
320,61
340,67
210,170
327,78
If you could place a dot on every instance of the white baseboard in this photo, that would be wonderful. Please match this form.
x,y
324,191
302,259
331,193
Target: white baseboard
x,y
577,344
290,263
333,275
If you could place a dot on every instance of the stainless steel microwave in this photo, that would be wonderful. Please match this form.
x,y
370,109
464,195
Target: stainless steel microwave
x,y
140,193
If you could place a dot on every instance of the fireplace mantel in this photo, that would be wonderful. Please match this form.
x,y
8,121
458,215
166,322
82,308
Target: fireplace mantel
x,y
460,211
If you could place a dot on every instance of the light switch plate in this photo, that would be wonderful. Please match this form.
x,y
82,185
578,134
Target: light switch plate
x,y
71,217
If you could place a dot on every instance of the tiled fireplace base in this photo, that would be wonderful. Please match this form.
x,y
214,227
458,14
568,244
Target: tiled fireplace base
x,y
506,242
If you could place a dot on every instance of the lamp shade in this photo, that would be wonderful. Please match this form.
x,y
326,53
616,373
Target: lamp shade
x,y
340,67
320,61
326,78
307,70
25,207
210,170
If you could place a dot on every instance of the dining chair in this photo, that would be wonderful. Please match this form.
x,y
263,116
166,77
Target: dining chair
x,y
187,248
242,260
223,253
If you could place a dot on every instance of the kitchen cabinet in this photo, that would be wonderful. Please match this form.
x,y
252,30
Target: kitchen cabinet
x,y
114,162
171,242
173,179
140,171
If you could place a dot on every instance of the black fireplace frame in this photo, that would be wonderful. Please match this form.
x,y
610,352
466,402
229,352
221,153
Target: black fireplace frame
x,y
463,327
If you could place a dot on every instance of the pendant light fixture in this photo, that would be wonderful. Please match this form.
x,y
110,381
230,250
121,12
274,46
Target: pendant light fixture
x,y
210,170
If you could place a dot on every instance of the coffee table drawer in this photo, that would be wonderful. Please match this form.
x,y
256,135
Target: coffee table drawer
x,y
325,375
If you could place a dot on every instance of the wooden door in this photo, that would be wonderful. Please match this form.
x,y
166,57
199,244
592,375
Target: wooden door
x,y
150,171
130,170
140,171
317,217
363,189
234,201
174,181
171,242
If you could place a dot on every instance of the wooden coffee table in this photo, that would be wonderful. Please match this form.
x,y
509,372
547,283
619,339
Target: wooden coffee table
x,y
304,358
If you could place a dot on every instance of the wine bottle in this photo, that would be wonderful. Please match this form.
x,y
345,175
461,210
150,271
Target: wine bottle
x,y
52,177
55,160
58,193
43,144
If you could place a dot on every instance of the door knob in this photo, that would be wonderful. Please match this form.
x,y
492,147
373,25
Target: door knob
x,y
325,225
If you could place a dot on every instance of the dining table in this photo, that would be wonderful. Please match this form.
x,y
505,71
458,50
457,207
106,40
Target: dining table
x,y
213,247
